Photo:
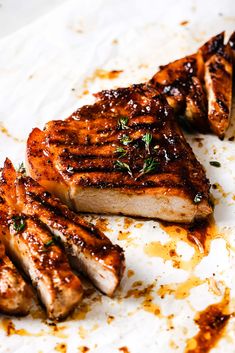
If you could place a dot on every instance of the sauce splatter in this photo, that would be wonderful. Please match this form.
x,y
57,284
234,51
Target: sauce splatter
x,y
124,236
124,349
5,132
147,294
180,290
199,236
128,222
211,322
61,347
83,349
9,328
91,297
110,319
184,23
102,223
82,332
130,273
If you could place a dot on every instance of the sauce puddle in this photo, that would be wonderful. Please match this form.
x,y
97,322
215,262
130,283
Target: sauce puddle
x,y
198,235
211,322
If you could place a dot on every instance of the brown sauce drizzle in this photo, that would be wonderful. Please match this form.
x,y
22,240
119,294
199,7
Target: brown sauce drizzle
x,y
61,347
211,322
124,349
83,349
198,235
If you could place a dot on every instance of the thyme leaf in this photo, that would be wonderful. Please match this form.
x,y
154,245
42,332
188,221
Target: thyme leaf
x,y
215,164
122,122
147,138
125,140
21,168
18,224
150,164
123,167
50,242
121,151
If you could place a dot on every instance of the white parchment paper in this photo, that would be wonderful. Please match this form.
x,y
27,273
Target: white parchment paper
x,y
50,68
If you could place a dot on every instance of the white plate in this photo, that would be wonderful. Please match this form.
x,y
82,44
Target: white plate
x,y
50,68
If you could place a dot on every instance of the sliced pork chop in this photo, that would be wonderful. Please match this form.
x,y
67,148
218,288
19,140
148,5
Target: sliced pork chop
x,y
34,249
199,86
123,155
179,82
218,81
15,293
90,251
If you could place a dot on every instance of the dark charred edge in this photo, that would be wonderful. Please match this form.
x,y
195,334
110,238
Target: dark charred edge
x,y
125,92
223,106
212,46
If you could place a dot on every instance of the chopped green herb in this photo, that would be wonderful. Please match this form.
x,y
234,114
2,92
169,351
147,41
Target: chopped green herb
x,y
156,147
21,169
49,243
18,223
150,164
147,138
121,151
215,164
122,122
52,241
125,140
123,167
198,197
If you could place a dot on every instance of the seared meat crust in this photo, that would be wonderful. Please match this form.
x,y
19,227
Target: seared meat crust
x,y
83,153
33,248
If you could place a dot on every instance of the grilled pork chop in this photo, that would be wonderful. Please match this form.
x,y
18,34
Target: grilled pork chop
x,y
32,246
15,293
89,250
199,86
123,155
218,81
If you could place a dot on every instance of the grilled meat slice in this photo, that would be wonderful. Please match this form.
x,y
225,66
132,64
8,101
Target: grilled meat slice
x,y
187,83
218,81
15,293
212,46
180,83
35,250
90,251
123,155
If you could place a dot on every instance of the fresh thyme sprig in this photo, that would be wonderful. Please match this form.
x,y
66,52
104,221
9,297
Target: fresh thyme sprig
x,y
125,140
150,164
122,152
123,167
50,242
18,224
21,169
147,138
122,122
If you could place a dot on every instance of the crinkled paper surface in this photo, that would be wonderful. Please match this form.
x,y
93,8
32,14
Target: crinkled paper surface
x,y
50,68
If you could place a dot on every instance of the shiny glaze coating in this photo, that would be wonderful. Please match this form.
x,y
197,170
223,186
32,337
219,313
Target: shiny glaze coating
x,y
82,150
